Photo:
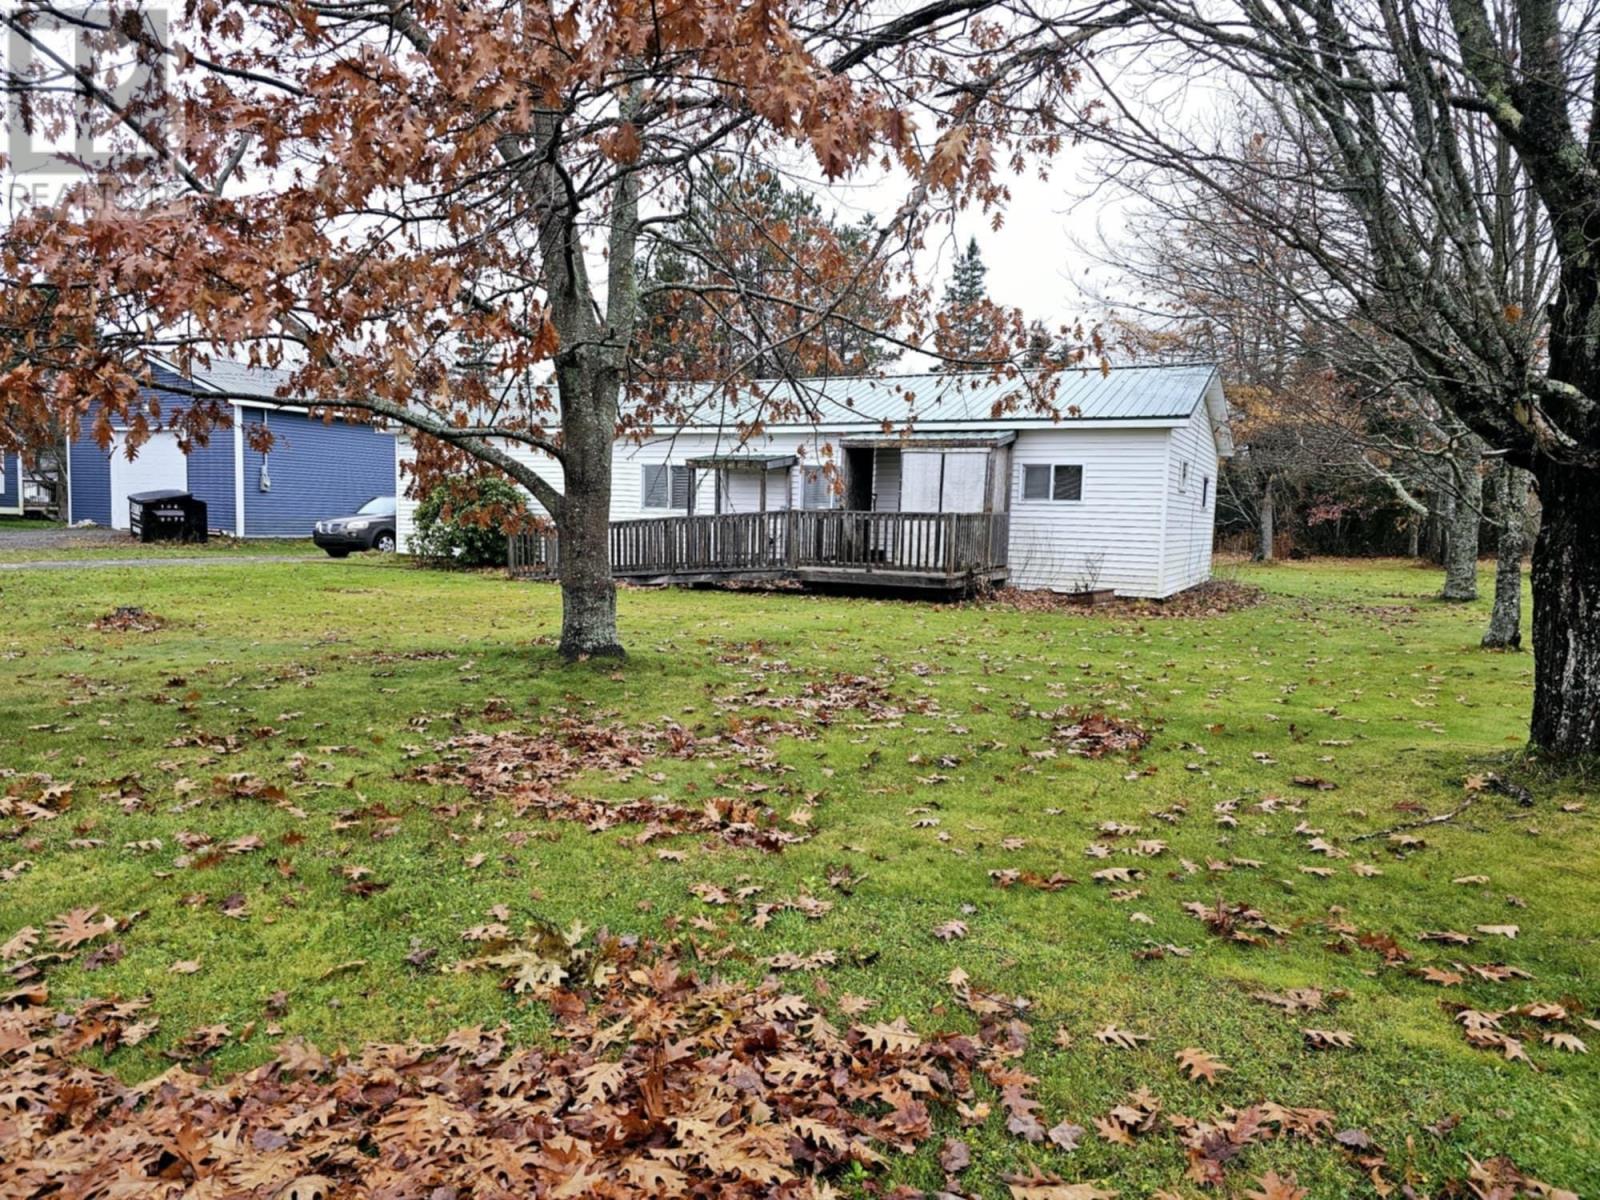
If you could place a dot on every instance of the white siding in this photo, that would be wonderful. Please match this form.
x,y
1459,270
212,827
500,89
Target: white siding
x,y
627,473
886,466
1191,504
1111,538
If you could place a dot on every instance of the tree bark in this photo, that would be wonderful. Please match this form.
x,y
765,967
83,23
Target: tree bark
x,y
1566,601
1461,533
583,522
1264,523
1511,498
1414,538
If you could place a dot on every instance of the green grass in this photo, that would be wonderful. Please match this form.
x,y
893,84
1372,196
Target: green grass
x,y
219,546
16,524
1349,672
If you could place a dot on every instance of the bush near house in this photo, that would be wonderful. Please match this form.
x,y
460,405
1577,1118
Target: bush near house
x,y
465,522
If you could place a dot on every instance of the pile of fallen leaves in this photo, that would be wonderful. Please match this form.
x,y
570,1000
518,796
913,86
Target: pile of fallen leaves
x,y
127,618
1092,734
1210,599
529,771
667,1084
859,699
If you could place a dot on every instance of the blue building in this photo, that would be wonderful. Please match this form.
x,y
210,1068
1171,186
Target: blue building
x,y
315,468
10,485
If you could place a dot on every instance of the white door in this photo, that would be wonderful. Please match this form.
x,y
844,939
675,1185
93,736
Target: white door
x,y
158,465
943,482
921,474
965,473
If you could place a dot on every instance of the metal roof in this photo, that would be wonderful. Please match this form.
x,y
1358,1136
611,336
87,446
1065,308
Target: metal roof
x,y
1128,393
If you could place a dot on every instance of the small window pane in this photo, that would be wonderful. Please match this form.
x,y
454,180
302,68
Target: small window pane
x,y
654,487
1036,483
680,487
1068,484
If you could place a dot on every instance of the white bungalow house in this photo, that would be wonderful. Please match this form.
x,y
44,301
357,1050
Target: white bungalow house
x,y
1113,488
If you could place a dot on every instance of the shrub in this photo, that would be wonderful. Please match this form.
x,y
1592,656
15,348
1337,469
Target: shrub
x,y
464,522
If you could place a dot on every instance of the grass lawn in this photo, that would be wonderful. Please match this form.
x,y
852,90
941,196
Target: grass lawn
x,y
69,544
291,703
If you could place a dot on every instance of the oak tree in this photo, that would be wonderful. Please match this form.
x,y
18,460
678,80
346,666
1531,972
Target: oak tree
x,y
359,189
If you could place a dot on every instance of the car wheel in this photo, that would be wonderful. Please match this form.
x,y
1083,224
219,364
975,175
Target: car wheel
x,y
338,553
384,543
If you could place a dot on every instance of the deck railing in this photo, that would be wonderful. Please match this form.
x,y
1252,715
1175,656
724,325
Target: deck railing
x,y
795,543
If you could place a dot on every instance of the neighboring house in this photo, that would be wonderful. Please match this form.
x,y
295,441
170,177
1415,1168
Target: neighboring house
x,y
1117,490
10,485
315,469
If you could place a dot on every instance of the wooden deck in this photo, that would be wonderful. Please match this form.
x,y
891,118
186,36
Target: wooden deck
x,y
947,552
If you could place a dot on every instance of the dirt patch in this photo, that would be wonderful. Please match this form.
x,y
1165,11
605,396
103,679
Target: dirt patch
x,y
1210,599
128,618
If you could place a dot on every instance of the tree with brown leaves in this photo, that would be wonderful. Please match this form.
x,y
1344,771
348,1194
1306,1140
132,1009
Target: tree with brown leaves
x,y
364,190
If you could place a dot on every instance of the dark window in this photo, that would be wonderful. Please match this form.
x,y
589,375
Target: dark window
x,y
1068,484
665,486
1059,482
1205,490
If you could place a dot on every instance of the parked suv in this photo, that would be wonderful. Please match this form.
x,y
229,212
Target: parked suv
x,y
370,527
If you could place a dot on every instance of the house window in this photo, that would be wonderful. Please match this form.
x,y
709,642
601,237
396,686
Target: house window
x,y
665,486
816,489
1183,476
1205,490
1052,482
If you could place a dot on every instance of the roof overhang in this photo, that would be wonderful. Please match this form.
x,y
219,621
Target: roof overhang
x,y
1217,410
942,440
743,462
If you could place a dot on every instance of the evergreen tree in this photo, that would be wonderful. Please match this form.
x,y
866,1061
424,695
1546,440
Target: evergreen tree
x,y
968,317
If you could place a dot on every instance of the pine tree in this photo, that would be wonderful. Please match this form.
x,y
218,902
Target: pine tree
x,y
967,313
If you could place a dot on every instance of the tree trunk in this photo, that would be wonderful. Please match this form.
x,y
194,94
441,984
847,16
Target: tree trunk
x,y
583,526
1511,498
1414,538
1461,533
1566,600
1264,517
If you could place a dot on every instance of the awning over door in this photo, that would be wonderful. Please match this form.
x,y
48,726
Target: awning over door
x,y
931,441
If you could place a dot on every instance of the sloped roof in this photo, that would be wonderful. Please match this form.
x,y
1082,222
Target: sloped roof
x,y
1128,393
239,379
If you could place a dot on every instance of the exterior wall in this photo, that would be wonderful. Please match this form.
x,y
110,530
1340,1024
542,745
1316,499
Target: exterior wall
x,y
10,483
1191,504
1114,533
211,478
1111,538
318,470
89,496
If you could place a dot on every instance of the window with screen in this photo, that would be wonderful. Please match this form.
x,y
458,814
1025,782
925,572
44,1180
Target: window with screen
x,y
1052,481
665,486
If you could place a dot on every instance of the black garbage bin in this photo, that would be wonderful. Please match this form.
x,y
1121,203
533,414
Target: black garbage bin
x,y
168,516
